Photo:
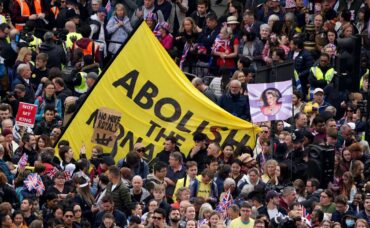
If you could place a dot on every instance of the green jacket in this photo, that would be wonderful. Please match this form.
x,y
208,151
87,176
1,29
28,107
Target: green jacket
x,y
120,195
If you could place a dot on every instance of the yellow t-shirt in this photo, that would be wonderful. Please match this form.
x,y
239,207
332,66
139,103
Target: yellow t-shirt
x,y
237,223
204,190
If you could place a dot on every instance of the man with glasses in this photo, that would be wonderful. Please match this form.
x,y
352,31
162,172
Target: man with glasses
x,y
244,220
68,217
159,218
136,157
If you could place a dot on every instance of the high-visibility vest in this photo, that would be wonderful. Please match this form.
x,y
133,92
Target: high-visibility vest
x,y
69,42
35,43
55,11
362,79
320,76
88,50
25,11
82,88
3,19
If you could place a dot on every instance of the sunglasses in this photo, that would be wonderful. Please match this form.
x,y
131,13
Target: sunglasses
x,y
69,216
265,132
141,149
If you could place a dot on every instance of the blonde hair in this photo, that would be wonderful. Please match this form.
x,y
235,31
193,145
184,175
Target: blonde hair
x,y
22,53
269,162
194,27
235,75
159,188
119,5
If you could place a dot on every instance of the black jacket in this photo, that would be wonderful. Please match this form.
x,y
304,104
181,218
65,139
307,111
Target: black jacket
x,y
56,54
30,93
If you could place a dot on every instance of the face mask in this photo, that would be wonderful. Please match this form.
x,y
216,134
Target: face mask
x,y
350,223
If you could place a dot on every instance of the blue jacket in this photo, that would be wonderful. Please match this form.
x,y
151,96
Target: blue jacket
x,y
194,188
337,217
237,105
302,63
41,103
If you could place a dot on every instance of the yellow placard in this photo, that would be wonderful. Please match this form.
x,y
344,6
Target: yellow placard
x,y
156,100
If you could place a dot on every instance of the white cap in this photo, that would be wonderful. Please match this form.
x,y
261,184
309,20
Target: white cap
x,y
352,125
318,90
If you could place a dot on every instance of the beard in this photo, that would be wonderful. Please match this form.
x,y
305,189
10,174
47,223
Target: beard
x,y
175,220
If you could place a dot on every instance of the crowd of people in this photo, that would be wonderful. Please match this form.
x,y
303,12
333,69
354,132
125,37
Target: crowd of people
x,y
308,171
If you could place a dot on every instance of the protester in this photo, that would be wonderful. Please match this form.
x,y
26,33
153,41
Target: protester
x,y
52,54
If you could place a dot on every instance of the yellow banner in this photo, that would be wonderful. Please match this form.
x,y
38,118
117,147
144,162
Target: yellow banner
x,y
156,100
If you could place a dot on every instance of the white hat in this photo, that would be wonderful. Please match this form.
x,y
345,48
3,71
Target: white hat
x,y
352,125
232,20
318,90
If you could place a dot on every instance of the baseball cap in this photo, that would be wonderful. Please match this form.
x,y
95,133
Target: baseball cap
x,y
317,90
297,136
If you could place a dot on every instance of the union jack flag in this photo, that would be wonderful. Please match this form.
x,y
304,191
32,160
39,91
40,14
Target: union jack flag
x,y
108,6
187,47
225,203
40,187
34,182
52,172
68,175
22,163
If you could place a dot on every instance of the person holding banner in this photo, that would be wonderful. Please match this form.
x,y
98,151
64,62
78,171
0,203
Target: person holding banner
x,y
271,104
